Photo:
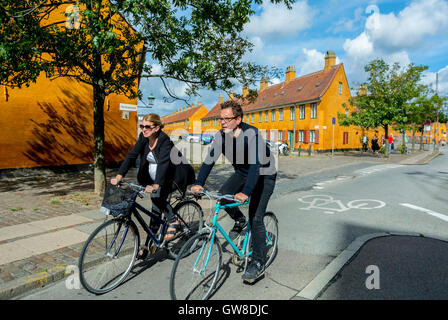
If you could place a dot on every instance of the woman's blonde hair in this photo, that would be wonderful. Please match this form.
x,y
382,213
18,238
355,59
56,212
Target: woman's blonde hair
x,y
155,119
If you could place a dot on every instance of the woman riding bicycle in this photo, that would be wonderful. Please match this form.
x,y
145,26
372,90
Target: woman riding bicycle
x,y
157,172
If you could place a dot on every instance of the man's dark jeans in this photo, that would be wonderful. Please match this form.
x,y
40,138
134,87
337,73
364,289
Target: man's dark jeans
x,y
257,208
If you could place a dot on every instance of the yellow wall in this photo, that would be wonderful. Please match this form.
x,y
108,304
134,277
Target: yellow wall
x,y
50,123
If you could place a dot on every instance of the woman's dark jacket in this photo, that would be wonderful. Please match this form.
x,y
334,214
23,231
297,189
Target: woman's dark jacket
x,y
167,172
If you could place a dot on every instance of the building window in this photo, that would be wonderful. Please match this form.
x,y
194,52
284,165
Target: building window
x,y
312,136
260,116
266,116
313,110
340,87
293,113
300,135
280,114
280,134
302,112
273,115
253,117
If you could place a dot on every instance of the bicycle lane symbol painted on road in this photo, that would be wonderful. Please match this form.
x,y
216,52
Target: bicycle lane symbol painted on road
x,y
332,206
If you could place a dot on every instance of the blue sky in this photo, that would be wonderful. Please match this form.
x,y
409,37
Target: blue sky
x,y
357,31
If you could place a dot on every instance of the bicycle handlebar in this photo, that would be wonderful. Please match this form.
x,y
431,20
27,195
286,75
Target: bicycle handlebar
x,y
140,189
211,195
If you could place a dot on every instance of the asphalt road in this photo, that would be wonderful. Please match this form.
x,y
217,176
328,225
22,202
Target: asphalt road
x,y
316,224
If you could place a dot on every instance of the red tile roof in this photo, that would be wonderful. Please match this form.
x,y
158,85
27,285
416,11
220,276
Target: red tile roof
x,y
181,116
303,89
310,87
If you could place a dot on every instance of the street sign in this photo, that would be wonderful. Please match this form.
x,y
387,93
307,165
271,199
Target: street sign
x,y
128,107
333,120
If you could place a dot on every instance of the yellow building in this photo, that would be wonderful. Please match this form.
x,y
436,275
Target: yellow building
x,y
300,110
50,123
185,119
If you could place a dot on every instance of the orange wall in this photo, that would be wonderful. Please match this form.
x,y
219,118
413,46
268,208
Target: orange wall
x,y
50,123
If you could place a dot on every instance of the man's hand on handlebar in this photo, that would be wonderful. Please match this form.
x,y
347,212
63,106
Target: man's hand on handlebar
x,y
196,188
241,197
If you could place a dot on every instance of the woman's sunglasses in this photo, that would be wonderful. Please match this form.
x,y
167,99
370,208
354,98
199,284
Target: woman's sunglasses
x,y
146,127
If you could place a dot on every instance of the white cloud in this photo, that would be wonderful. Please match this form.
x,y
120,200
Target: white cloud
x,y
276,20
430,79
311,61
260,54
422,18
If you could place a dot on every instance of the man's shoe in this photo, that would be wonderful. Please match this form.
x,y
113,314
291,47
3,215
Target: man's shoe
x,y
240,224
254,271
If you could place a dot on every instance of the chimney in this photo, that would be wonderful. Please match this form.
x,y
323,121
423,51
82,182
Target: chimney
x,y
245,90
199,103
263,83
231,95
221,98
290,74
363,90
330,60
192,106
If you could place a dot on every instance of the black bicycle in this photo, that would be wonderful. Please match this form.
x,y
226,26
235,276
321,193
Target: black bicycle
x,y
110,252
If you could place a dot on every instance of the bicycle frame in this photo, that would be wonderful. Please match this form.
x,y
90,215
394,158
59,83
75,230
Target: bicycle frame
x,y
157,241
216,226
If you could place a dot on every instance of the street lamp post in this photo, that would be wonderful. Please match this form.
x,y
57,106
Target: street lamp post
x,y
143,110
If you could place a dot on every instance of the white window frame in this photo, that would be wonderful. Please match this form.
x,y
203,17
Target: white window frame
x,y
340,88
280,114
302,112
312,136
253,117
313,111
266,116
273,115
260,116
301,133
292,115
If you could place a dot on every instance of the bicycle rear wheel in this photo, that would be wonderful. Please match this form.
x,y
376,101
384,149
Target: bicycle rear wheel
x,y
196,269
271,225
191,219
108,255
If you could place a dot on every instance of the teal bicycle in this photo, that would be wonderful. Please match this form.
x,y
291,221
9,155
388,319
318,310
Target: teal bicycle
x,y
196,269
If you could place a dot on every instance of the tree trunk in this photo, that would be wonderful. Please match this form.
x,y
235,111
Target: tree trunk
x,y
99,163
386,140
413,139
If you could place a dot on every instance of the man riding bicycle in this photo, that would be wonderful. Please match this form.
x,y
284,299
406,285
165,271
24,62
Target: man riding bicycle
x,y
254,176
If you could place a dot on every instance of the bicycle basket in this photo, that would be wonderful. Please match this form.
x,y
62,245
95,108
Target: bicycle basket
x,y
117,201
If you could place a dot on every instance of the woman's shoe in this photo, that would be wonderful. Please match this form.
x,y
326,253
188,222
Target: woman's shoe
x,y
173,229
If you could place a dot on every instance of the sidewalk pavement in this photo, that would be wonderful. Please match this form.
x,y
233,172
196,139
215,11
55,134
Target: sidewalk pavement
x,y
46,217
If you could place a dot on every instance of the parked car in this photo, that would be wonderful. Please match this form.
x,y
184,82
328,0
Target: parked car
x,y
193,137
207,138
183,136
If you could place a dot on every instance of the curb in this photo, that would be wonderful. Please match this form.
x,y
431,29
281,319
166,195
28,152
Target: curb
x,y
324,279
20,286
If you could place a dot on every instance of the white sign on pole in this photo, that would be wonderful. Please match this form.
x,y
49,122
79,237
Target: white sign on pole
x,y
128,107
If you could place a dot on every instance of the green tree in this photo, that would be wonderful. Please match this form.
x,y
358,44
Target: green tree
x,y
389,88
195,41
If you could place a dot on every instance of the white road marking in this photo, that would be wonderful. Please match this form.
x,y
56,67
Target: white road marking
x,y
430,212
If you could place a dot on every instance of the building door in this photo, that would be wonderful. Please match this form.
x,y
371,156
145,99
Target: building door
x,y
291,139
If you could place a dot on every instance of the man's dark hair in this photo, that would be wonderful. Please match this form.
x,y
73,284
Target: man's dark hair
x,y
236,108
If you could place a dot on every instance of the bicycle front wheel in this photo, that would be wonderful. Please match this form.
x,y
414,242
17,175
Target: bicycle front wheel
x,y
196,269
191,218
108,255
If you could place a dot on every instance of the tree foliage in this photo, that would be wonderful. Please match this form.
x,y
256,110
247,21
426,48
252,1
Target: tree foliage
x,y
395,96
104,43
